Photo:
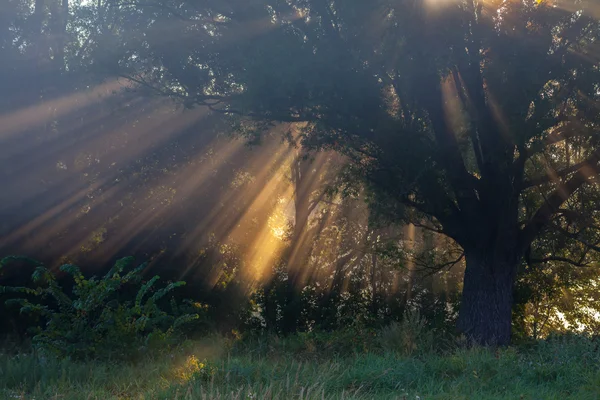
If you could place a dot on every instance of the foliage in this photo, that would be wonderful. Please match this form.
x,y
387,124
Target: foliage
x,y
557,298
96,319
194,369
409,335
314,345
476,121
277,308
482,125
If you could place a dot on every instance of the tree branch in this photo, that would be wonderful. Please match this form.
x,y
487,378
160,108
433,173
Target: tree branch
x,y
578,263
575,236
429,228
436,268
556,199
461,90
560,174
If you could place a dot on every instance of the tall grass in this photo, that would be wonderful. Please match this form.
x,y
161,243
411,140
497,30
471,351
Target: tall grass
x,y
559,368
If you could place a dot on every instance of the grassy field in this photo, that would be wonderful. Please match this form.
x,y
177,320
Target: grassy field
x,y
568,368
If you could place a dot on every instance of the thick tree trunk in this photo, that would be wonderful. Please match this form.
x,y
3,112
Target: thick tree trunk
x,y
486,308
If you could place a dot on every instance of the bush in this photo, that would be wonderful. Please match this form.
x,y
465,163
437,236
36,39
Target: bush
x,y
98,319
407,336
314,345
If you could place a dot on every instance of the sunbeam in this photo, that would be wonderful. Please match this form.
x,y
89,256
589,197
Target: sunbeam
x,y
40,114
304,166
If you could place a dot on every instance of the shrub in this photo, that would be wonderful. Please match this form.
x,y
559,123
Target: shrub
x,y
408,336
98,319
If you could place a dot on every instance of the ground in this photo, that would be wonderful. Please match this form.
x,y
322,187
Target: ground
x,y
568,368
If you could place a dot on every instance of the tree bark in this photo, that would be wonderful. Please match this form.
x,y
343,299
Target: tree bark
x,y
486,307
410,265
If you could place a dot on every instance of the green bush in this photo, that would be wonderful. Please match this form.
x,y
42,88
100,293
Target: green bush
x,y
314,345
408,336
98,318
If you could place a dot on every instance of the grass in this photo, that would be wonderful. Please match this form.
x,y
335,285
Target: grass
x,y
564,368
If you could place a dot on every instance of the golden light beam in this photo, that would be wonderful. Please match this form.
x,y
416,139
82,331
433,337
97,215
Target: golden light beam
x,y
150,135
190,179
314,272
591,7
37,223
216,221
37,115
33,178
306,189
266,247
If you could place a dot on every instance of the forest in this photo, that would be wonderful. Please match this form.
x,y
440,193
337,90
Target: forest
x,y
300,199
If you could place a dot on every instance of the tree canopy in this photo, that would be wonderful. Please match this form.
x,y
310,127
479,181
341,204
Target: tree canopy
x,y
479,121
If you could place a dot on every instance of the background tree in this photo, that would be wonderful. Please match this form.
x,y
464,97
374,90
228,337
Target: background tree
x,y
458,115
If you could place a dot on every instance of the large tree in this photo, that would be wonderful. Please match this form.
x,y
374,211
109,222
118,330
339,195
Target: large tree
x,y
480,119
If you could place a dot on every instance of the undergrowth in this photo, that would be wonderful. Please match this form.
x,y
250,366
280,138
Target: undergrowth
x,y
117,316
88,340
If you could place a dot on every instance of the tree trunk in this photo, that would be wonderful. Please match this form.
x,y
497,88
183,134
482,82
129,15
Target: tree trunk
x,y
60,17
486,308
409,231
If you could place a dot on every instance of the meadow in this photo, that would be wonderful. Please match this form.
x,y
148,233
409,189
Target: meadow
x,y
316,366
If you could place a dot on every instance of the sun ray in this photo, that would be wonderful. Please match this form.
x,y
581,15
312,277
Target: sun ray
x,y
37,115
